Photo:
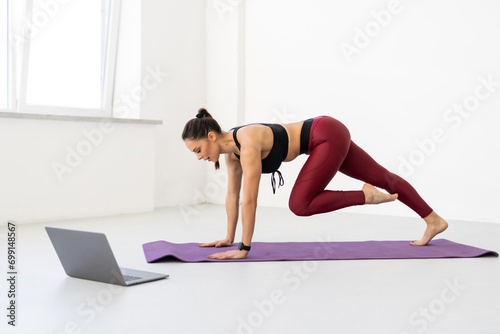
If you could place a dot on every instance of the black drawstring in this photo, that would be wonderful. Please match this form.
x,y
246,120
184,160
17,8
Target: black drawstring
x,y
273,181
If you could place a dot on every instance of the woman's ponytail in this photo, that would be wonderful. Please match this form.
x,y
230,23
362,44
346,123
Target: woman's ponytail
x,y
203,113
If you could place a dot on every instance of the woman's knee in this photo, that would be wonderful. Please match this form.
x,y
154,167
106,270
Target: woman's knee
x,y
299,208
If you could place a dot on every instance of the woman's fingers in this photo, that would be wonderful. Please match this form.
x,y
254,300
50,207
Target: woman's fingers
x,y
218,243
219,256
223,243
210,244
233,254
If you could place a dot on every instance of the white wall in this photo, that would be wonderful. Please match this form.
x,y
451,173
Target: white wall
x,y
174,41
55,169
396,91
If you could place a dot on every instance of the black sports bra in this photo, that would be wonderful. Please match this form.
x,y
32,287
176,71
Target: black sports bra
x,y
276,156
279,151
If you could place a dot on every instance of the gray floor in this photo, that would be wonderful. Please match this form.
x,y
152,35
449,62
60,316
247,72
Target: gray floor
x,y
363,296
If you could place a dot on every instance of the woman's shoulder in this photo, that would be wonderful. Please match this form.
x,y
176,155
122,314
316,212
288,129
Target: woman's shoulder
x,y
253,135
249,129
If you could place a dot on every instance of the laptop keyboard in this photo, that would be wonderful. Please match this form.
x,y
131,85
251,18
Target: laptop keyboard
x,y
129,278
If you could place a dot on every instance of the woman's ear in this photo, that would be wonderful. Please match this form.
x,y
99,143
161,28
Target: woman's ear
x,y
212,136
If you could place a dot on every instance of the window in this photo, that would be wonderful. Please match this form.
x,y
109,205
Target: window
x,y
4,54
69,57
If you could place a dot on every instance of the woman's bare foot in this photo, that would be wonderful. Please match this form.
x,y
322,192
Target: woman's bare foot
x,y
375,196
435,225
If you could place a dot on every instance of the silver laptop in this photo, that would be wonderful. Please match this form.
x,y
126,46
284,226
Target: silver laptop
x,y
88,255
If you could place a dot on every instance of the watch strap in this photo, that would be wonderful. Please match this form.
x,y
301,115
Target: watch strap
x,y
242,246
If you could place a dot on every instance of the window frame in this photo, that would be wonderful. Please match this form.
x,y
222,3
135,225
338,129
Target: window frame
x,y
11,63
106,109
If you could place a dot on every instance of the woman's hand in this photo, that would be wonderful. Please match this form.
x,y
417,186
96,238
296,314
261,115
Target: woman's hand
x,y
220,243
232,254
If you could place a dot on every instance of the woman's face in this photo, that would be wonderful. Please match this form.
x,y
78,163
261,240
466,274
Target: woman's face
x,y
205,149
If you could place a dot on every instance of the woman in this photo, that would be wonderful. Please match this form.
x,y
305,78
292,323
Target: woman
x,y
261,148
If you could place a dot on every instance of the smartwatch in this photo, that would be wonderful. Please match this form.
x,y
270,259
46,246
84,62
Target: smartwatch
x,y
242,246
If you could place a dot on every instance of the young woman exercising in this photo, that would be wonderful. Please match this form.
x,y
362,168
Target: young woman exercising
x,y
261,148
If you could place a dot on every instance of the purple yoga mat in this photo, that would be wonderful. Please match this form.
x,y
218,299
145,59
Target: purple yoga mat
x,y
300,251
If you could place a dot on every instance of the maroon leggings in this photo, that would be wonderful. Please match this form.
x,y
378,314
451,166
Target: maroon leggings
x,y
331,149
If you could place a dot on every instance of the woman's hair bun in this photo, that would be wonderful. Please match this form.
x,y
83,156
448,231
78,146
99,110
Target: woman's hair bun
x,y
203,113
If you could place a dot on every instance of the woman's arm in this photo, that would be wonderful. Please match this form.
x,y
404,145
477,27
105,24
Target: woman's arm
x,y
251,167
234,174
